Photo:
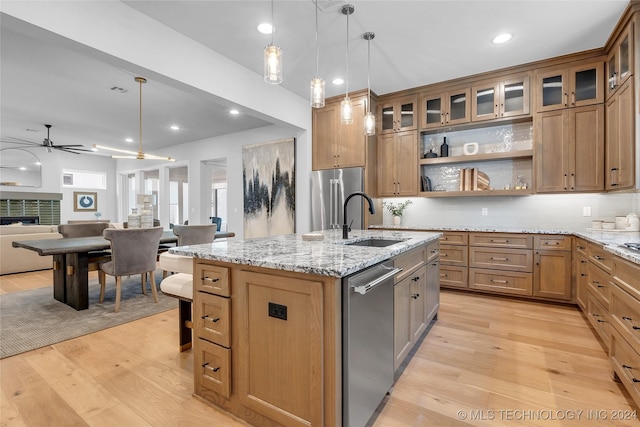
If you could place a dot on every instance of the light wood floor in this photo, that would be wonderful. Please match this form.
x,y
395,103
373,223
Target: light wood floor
x,y
487,361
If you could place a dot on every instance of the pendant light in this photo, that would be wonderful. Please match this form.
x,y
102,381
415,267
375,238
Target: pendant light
x,y
272,58
369,118
140,155
346,109
317,83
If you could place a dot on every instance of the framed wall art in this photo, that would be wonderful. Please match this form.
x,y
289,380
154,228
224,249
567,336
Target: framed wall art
x,y
268,178
85,201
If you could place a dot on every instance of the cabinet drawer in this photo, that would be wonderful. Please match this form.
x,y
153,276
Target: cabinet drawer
x,y
454,255
212,279
454,238
212,318
600,257
501,259
552,242
410,261
453,277
627,275
505,282
599,284
433,250
626,363
580,246
598,316
501,240
212,368
624,312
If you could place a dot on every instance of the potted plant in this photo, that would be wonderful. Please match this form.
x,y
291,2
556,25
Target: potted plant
x,y
396,210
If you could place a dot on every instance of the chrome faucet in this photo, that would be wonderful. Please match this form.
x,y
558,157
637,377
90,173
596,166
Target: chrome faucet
x,y
347,227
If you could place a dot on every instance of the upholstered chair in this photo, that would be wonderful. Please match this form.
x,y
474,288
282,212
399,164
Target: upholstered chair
x,y
88,229
133,251
180,285
217,221
195,234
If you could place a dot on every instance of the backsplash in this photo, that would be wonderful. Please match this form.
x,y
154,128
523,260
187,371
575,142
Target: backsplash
x,y
543,212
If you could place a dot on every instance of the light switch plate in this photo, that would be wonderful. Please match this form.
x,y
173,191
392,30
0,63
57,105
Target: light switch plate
x,y
586,211
485,211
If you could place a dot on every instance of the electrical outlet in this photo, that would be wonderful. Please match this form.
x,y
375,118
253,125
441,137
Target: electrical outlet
x,y
586,211
485,211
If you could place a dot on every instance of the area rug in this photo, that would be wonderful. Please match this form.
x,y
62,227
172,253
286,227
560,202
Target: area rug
x,y
33,319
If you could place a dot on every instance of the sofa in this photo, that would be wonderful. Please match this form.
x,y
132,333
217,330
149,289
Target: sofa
x,y
19,260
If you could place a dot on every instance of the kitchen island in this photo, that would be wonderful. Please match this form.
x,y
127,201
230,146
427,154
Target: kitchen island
x,y
268,319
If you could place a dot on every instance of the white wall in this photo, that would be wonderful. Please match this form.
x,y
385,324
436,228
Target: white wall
x,y
540,212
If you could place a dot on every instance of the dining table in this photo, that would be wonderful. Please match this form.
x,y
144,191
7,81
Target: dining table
x,y
71,263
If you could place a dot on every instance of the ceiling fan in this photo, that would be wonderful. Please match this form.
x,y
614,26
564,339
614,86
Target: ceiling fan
x,y
48,144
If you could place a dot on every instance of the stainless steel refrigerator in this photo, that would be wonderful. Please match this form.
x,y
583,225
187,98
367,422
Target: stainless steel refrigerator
x,y
329,189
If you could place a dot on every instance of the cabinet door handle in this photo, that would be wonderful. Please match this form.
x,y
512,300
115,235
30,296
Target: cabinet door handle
x,y
499,281
502,109
573,98
444,255
416,278
206,366
496,110
499,259
565,181
598,257
551,243
206,317
573,181
444,275
612,81
209,279
499,241
566,98
442,118
415,296
447,118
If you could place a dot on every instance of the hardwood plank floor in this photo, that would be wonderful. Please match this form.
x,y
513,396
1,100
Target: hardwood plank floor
x,y
487,361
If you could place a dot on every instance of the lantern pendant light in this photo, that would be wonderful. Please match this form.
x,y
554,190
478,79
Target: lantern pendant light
x,y
369,118
317,83
346,108
272,58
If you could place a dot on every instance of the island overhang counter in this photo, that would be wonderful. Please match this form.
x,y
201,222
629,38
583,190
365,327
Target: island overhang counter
x,y
267,319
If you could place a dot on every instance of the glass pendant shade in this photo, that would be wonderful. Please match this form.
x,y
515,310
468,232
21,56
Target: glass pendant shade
x,y
346,111
317,92
273,64
369,124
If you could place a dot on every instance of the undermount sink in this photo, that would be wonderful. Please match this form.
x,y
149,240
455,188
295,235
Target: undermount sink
x,y
378,243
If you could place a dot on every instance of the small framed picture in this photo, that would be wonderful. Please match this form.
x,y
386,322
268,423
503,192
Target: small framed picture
x,y
85,202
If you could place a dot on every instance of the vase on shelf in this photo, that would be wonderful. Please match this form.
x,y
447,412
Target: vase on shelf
x,y
397,220
134,219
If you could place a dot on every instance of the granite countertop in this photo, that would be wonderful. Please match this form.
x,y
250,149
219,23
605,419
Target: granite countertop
x,y
327,257
612,241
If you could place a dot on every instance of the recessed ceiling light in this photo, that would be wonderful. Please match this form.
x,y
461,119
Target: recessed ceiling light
x,y
234,112
337,81
22,168
38,164
129,140
94,149
502,38
265,28
175,127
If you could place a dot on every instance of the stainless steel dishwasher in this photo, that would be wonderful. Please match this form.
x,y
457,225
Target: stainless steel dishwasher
x,y
367,341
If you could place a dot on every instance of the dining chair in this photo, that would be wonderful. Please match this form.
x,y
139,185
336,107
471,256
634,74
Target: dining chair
x,y
88,229
133,251
217,221
180,285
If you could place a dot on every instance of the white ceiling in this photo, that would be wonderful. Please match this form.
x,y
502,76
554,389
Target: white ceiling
x,y
46,79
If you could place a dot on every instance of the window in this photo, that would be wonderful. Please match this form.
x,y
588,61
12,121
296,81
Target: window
x,y
178,195
152,186
84,179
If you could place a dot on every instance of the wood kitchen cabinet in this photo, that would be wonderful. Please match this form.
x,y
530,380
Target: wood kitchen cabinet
x,y
552,267
398,114
581,272
335,145
508,97
416,298
620,60
397,164
444,109
620,140
569,149
570,86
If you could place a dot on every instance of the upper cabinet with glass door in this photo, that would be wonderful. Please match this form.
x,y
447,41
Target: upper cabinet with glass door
x,y
445,109
398,114
570,86
620,60
508,97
